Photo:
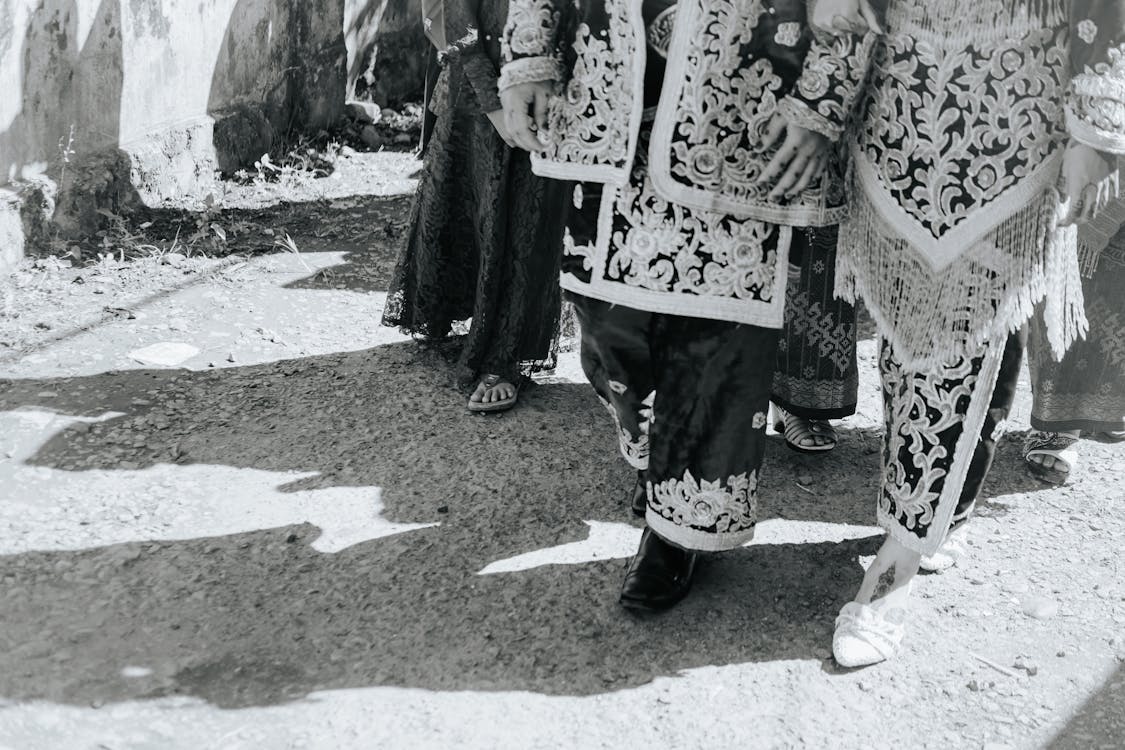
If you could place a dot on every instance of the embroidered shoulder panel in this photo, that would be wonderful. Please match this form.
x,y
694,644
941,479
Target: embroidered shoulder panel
x,y
958,138
593,123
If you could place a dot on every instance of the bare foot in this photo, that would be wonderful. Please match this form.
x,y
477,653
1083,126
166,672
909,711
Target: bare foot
x,y
890,575
492,389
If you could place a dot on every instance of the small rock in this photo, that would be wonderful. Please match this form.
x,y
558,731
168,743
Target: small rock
x,y
974,686
1040,607
365,112
805,479
443,509
370,136
403,138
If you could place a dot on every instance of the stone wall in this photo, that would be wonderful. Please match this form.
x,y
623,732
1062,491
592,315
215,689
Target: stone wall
x,y
386,51
107,102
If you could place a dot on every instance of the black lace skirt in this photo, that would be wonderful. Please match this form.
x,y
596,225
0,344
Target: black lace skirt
x,y
484,246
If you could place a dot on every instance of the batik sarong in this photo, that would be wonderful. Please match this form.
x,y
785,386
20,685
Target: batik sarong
x,y
817,376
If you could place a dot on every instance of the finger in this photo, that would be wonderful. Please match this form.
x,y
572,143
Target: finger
x,y
774,130
870,17
520,130
811,172
515,121
790,178
777,165
1089,207
1070,207
541,110
849,25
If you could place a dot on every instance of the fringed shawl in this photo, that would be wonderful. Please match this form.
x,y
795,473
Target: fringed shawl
x,y
953,232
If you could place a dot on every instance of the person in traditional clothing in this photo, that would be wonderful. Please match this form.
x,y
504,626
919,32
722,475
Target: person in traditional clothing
x,y
1084,394
485,233
701,133
817,377
960,225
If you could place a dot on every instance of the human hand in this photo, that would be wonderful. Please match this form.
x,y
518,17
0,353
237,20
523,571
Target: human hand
x,y
1088,182
800,160
496,117
525,112
844,17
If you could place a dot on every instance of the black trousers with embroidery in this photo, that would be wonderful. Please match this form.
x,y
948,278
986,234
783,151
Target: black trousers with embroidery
x,y
689,397
998,409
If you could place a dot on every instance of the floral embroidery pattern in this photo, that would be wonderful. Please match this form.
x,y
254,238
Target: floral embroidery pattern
x,y
714,506
634,449
1097,102
661,246
924,422
727,90
949,132
788,34
1087,31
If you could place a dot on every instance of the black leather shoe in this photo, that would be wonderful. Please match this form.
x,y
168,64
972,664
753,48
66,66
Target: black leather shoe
x,y
639,500
659,575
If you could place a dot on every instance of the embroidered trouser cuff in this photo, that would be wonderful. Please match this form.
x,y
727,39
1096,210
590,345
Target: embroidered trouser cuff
x,y
689,398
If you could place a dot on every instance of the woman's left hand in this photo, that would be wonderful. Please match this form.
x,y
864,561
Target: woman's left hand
x,y
1088,183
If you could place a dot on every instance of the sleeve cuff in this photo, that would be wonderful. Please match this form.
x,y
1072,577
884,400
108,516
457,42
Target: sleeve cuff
x,y
797,112
530,70
1107,141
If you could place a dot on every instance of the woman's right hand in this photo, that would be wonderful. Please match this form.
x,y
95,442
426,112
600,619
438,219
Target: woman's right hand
x,y
844,17
525,112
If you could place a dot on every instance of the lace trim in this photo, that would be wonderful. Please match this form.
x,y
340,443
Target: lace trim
x,y
799,113
1105,133
708,515
991,291
660,31
530,70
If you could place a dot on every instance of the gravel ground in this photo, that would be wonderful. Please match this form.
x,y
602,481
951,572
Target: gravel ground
x,y
293,534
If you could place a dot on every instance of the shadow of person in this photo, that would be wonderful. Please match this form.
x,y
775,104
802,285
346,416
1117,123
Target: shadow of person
x,y
259,616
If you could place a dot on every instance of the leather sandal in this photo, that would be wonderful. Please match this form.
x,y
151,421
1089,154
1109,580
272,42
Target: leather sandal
x,y
490,381
796,429
1056,445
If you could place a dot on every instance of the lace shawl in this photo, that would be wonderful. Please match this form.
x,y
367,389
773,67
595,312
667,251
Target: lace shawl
x,y
953,235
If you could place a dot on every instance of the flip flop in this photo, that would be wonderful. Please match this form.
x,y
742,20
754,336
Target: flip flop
x,y
1057,445
795,429
491,381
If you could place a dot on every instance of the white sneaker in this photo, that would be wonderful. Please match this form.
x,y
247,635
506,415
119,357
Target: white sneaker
x,y
868,633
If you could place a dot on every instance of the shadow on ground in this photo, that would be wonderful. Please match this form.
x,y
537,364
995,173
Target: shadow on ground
x,y
261,617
